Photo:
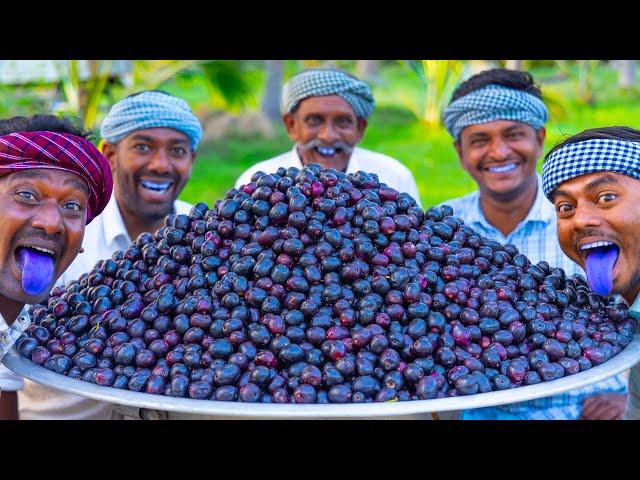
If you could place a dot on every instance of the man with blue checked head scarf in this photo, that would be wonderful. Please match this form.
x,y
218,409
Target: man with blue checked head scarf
x,y
593,180
325,113
497,121
150,140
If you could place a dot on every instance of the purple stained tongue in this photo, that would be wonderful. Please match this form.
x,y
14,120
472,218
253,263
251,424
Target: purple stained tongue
x,y
600,262
37,271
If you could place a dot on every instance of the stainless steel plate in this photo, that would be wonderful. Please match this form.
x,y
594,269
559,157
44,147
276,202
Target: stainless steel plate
x,y
213,409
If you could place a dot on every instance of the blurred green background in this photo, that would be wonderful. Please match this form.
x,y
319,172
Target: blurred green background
x,y
237,103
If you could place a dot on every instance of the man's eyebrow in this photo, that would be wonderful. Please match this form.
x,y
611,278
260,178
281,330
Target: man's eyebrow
x,y
36,173
592,185
146,138
601,180
78,184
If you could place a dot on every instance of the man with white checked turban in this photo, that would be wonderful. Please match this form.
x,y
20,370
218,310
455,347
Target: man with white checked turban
x,y
593,180
497,120
150,140
325,113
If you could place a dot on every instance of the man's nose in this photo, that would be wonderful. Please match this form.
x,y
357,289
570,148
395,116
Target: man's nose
x,y
160,162
499,149
328,133
585,217
48,218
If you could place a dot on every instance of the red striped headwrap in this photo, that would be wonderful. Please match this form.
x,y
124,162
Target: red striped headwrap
x,y
60,151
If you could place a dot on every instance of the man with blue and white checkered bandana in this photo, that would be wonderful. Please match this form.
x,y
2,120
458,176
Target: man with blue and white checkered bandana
x,y
497,119
593,180
325,113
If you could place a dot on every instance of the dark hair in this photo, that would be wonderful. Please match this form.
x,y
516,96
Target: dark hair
x,y
146,91
606,133
498,76
43,122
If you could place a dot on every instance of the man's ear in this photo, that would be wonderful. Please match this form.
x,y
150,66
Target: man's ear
x,y
458,148
362,126
109,150
541,134
289,121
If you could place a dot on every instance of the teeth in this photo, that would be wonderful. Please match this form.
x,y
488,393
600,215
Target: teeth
x,y
595,245
504,168
40,249
327,150
156,186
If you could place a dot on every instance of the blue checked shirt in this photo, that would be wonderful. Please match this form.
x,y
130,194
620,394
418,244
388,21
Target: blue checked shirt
x,y
537,238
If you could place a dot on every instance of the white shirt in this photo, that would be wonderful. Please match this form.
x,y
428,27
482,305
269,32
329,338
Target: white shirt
x,y
632,412
389,170
105,235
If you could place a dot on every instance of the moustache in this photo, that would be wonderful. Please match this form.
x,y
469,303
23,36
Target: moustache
x,y
594,232
33,234
338,145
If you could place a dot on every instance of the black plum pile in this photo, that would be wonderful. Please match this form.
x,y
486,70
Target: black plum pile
x,y
312,286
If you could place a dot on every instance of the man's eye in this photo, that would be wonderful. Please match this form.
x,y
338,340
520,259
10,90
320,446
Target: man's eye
x,y
607,197
313,120
179,151
73,206
564,208
26,195
142,147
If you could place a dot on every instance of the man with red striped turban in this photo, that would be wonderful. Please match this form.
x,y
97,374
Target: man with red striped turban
x,y
53,182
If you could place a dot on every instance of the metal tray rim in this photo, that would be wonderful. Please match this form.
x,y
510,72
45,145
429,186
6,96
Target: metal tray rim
x,y
27,369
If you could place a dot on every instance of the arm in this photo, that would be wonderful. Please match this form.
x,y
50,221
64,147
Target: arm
x,y
632,411
8,405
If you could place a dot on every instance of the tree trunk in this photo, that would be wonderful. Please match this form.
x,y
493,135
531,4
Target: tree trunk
x,y
626,73
367,70
271,98
514,64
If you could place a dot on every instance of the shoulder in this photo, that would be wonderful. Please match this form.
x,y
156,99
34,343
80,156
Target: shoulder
x,y
460,203
383,161
182,207
267,166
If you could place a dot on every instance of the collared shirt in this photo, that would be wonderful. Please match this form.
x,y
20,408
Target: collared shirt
x,y
537,238
632,412
102,238
389,170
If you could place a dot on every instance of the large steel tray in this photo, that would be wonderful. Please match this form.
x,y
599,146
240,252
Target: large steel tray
x,y
188,408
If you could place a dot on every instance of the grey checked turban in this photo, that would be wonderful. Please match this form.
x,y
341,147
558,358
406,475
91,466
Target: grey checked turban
x,y
491,103
151,110
321,82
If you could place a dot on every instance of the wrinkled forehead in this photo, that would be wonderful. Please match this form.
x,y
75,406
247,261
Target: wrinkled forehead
x,y
158,134
324,104
590,183
51,177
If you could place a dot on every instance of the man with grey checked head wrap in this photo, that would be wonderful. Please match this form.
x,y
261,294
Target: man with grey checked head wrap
x,y
497,121
150,139
593,180
325,113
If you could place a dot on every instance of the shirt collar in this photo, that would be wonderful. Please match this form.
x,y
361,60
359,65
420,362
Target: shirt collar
x,y
635,306
112,223
541,210
352,167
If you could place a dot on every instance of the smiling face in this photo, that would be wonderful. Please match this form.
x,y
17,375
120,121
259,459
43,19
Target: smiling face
x,y
327,130
599,211
501,156
43,217
150,168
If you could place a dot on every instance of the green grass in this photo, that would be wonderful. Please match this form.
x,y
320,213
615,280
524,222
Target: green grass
x,y
394,130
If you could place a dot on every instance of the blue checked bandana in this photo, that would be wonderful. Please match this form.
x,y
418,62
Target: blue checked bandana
x,y
151,110
590,156
491,103
321,82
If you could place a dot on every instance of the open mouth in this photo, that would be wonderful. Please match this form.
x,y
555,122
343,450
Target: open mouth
x,y
600,261
328,151
155,186
36,265
509,167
